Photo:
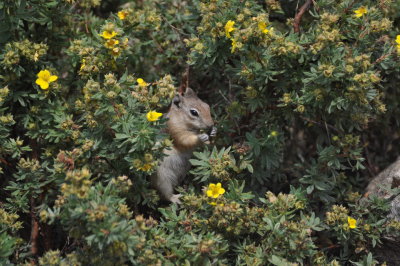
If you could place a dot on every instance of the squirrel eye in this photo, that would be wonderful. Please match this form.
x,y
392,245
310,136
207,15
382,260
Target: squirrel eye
x,y
194,112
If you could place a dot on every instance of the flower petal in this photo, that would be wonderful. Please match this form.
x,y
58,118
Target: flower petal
x,y
141,82
44,74
352,222
229,27
153,116
122,15
398,39
53,78
108,35
42,83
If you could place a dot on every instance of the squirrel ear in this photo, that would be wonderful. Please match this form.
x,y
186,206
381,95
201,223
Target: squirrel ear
x,y
189,93
177,100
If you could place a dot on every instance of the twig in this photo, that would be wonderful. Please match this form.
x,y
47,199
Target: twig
x,y
108,162
178,31
229,102
393,196
383,57
34,219
349,7
367,155
159,48
87,22
320,124
223,96
327,132
5,162
299,15
45,229
34,229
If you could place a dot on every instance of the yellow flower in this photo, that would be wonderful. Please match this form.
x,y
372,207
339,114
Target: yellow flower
x,y
234,45
111,43
262,26
361,11
141,82
45,78
398,40
122,14
229,28
352,222
274,133
153,116
145,168
214,190
108,35
398,43
83,64
213,203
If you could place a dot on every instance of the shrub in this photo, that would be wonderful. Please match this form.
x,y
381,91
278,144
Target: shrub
x,y
306,109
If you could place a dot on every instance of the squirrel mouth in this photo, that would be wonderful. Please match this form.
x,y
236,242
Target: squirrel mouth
x,y
206,131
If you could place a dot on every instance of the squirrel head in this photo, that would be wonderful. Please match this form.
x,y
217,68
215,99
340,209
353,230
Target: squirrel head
x,y
187,110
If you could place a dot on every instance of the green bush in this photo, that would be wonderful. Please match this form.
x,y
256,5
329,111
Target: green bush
x,y
305,116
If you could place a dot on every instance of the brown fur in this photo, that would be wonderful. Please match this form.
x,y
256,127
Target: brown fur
x,y
185,131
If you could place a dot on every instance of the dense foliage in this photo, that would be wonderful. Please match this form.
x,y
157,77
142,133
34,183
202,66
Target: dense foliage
x,y
307,112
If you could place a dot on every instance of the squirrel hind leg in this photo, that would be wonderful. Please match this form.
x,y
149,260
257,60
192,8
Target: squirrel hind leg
x,y
165,186
166,190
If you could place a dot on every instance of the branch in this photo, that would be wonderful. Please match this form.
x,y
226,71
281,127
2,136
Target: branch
x,y
371,170
34,229
322,124
299,15
383,57
34,219
349,7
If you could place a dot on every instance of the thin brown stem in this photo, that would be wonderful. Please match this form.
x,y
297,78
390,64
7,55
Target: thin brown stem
x,y
367,156
383,57
34,219
299,15
45,229
322,124
35,228
349,7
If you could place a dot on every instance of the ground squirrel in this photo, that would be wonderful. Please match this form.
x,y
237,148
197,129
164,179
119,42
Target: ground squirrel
x,y
189,125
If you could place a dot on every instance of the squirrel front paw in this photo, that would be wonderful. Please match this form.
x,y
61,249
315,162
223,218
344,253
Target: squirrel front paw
x,y
213,132
204,137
